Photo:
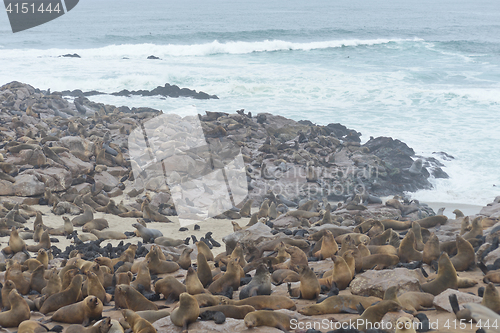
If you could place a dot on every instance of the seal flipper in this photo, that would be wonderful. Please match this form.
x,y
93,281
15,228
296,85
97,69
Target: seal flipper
x,y
454,303
360,308
56,328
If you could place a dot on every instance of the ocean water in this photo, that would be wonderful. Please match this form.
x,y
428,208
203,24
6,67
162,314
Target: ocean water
x,y
423,72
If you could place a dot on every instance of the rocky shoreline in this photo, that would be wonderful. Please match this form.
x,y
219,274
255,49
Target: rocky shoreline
x,y
313,231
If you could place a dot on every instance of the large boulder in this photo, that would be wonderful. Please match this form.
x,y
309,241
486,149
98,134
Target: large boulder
x,y
375,283
28,185
6,187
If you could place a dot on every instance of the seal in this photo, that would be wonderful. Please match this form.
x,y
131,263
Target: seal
x,y
170,287
108,234
138,324
446,277
32,326
465,257
374,313
80,313
54,284
264,209
309,285
245,211
280,276
357,238
134,300
150,315
94,287
383,249
187,312
262,302
268,318
19,311
491,298
68,296
204,272
405,325
338,304
417,231
260,284
230,279
148,235
379,261
87,216
38,281
95,224
413,301
209,300
193,284
165,241
143,277
185,258
476,229
203,248
230,311
329,246
381,239
8,286
43,244
432,221
396,225
103,327
431,249
341,274
157,265
407,252
16,243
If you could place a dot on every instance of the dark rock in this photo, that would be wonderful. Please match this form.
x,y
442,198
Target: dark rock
x,y
74,55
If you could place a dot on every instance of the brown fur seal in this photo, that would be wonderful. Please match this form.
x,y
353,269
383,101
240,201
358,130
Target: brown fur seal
x,y
135,300
43,244
382,239
446,277
414,301
38,281
285,275
230,279
374,314
259,285
104,326
245,211
230,311
204,272
95,288
476,229
54,284
268,318
150,315
209,300
357,238
68,296
396,225
338,304
158,266
491,298
138,324
431,249
170,287
465,257
432,221
185,258
80,313
379,261
7,288
329,246
187,312
203,248
383,249
143,277
95,224
109,234
341,274
32,326
309,285
165,241
265,302
149,213
193,284
407,251
16,243
19,311
87,216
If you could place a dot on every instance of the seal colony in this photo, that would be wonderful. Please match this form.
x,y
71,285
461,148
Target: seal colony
x,y
290,262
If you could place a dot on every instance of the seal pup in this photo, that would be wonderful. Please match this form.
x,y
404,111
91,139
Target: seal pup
x,y
187,312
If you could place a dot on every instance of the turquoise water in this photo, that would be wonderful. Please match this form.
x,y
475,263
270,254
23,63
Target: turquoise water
x,y
423,72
